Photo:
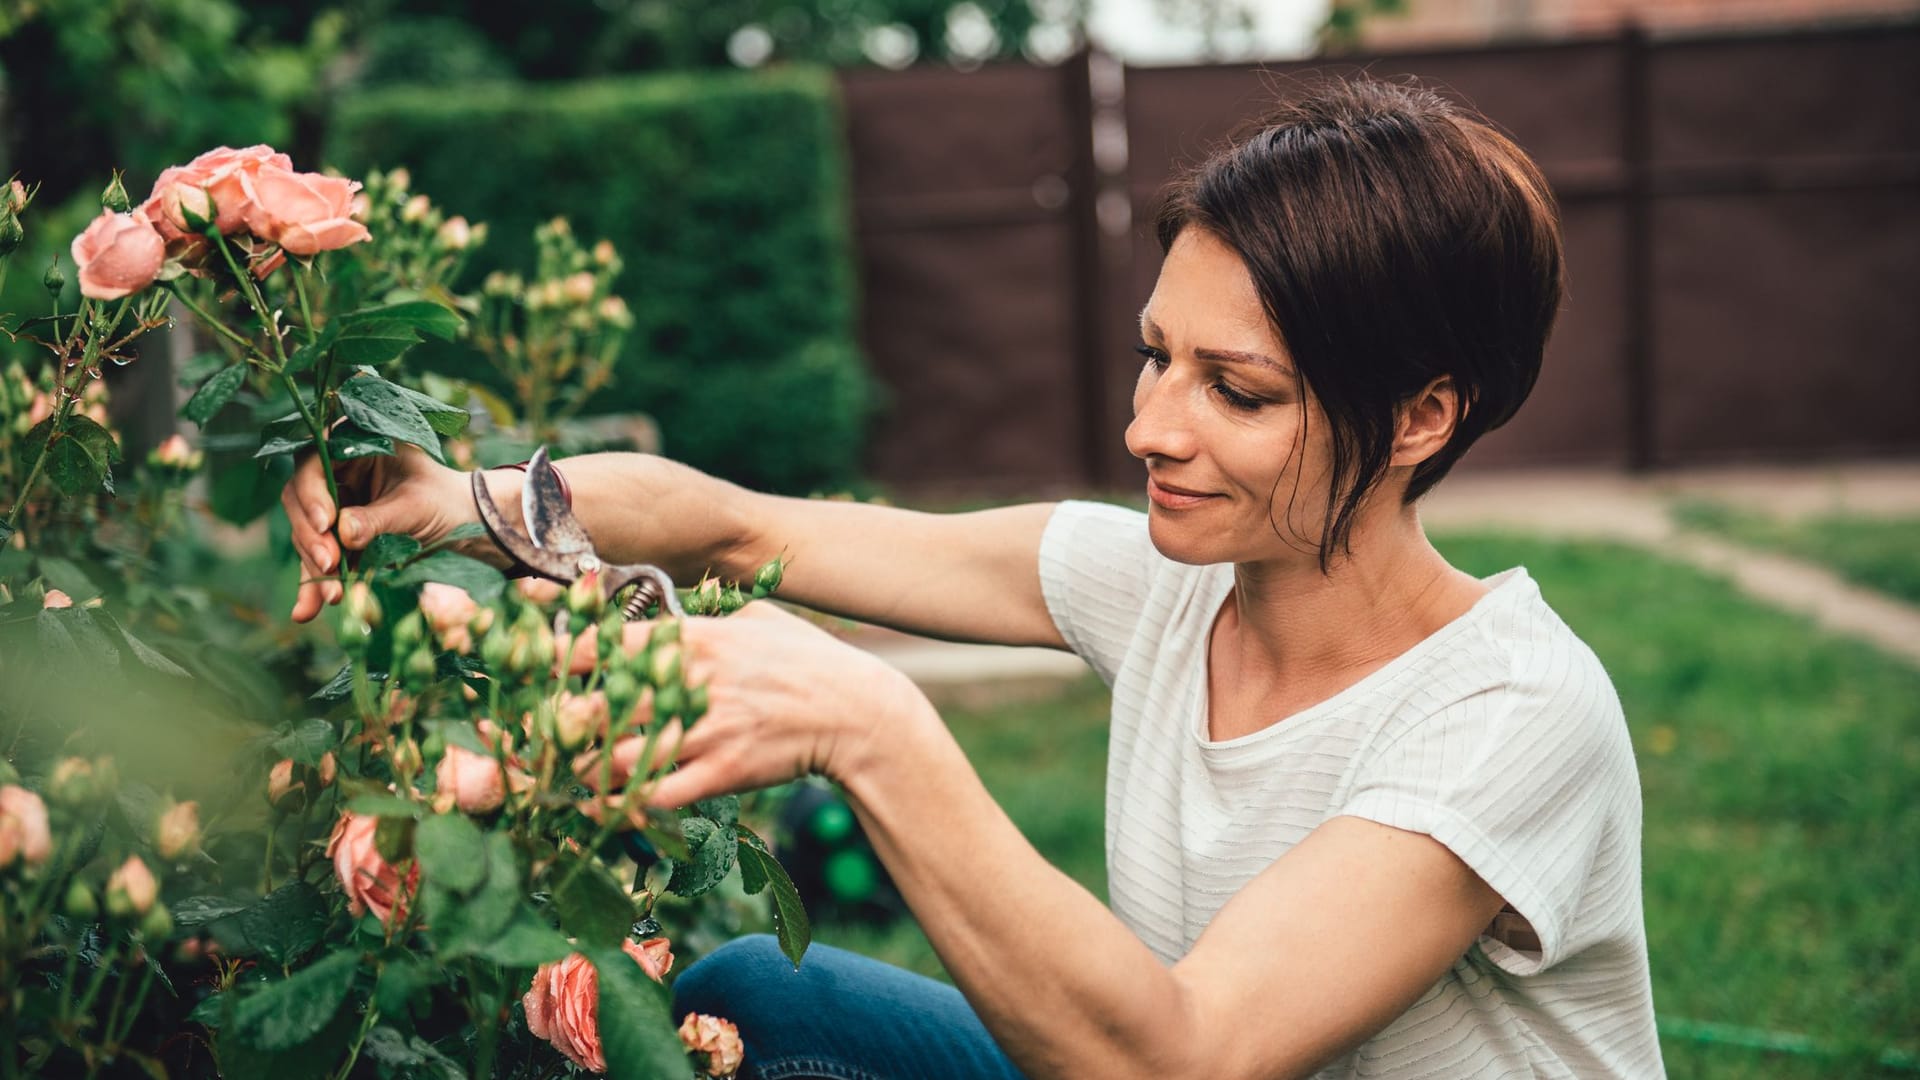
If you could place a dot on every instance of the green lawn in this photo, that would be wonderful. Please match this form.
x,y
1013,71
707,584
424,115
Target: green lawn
x,y
1780,769
1877,552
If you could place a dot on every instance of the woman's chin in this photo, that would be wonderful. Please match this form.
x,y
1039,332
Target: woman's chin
x,y
1184,541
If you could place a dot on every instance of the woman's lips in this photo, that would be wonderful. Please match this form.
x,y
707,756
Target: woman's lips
x,y
1173,499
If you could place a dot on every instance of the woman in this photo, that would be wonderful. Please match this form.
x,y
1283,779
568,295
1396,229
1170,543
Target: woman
x,y
1366,815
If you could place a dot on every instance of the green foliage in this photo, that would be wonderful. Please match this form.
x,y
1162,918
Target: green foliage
x,y
726,193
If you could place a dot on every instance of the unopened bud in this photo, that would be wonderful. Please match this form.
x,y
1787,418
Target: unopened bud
x,y
400,180
285,791
580,288
407,759
411,630
668,701
663,665
11,234
178,832
767,579
615,313
15,196
696,703
416,210
579,718
54,280
603,253
157,925
421,667
72,782
664,631
455,234
584,597
114,198
80,904
131,890
190,208
361,604
327,769
623,691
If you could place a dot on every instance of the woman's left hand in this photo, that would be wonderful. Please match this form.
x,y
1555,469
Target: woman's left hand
x,y
784,699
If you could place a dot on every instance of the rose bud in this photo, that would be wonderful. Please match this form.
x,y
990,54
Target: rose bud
x,y
540,590
131,890
16,196
766,580
416,210
370,882
421,667
11,234
622,690
178,832
580,718
584,598
56,599
175,453
407,759
580,287
327,768
455,234
54,280
284,792
24,833
79,903
663,664
470,781
114,198
450,613
361,604
400,180
603,253
72,782
189,208
615,313
714,1043
157,925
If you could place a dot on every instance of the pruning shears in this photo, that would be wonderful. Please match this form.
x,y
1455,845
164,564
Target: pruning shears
x,y
556,546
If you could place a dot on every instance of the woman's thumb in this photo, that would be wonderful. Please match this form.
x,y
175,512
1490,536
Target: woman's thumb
x,y
360,524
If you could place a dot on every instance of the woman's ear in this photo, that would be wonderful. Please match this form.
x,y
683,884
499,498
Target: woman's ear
x,y
1426,421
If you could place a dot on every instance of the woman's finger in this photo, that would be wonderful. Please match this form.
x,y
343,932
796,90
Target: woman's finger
x,y
701,778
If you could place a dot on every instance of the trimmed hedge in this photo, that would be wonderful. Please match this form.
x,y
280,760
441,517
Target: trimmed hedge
x,y
726,194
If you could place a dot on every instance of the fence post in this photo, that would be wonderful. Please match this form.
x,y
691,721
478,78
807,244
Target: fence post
x,y
1636,152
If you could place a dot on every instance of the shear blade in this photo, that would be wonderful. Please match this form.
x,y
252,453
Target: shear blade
x,y
543,506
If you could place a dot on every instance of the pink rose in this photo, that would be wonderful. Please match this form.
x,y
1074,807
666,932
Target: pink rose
x,y
540,590
178,830
450,612
221,173
305,213
56,599
473,782
369,882
118,255
563,1003
132,889
23,827
718,1040
579,718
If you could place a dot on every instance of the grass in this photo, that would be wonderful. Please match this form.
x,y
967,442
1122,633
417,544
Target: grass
x,y
1876,552
1782,832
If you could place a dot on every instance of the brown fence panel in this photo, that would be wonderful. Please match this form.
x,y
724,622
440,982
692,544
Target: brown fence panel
x,y
971,210
1787,244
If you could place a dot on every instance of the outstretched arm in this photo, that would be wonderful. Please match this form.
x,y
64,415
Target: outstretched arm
x,y
1339,936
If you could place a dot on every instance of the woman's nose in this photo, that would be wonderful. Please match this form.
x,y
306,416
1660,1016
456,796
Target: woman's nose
x,y
1160,426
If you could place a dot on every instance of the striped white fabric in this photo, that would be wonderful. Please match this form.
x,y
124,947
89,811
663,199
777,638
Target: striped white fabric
x,y
1500,736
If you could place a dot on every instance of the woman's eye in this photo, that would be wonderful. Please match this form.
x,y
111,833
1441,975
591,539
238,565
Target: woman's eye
x,y
1154,356
1235,398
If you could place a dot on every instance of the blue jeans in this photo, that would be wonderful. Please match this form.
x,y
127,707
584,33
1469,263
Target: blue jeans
x,y
842,1016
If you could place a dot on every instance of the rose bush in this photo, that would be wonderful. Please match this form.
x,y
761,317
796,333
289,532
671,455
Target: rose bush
x,y
439,861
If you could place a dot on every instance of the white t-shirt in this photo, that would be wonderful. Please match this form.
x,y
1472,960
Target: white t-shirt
x,y
1500,736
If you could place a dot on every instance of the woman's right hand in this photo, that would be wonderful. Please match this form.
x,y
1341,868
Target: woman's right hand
x,y
407,493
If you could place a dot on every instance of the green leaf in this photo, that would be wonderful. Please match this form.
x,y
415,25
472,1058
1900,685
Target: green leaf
x,y
389,549
293,1010
79,460
452,852
68,578
201,910
593,908
383,409
340,686
284,436
721,809
287,924
426,316
6,532
481,581
214,394
464,925
151,657
472,530
308,742
348,442
526,942
713,854
309,354
448,420
314,1058
374,804
636,1027
404,985
211,1010
759,868
460,733
71,634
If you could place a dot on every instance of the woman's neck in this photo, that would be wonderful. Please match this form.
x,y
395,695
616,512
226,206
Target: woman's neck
x,y
1287,620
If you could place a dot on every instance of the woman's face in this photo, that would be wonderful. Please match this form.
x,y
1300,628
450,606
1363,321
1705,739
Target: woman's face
x,y
1236,453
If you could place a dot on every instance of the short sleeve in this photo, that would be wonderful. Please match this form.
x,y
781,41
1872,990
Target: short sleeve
x,y
1096,567
1530,788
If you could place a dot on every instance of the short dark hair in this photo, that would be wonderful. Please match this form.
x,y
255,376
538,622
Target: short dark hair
x,y
1394,237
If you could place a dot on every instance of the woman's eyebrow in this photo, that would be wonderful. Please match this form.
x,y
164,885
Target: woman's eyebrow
x,y
1151,329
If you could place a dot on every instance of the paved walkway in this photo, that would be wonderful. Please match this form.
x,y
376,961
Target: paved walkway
x,y
1586,504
